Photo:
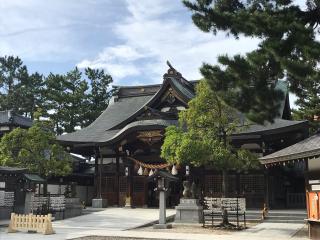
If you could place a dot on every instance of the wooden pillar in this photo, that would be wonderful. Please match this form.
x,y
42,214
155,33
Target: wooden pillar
x,y
118,177
96,180
100,175
98,171
130,185
266,188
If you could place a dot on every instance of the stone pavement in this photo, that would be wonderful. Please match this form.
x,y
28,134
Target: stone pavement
x,y
114,222
111,219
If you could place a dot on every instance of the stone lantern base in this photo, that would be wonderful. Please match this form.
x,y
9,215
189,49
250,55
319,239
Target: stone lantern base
x,y
99,203
162,226
189,211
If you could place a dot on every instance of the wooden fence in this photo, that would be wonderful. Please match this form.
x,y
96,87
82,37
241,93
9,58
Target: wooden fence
x,y
36,223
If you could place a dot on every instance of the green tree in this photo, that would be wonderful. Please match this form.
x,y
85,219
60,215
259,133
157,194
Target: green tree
x,y
73,101
65,100
35,149
203,136
288,49
99,95
12,74
32,94
309,105
19,91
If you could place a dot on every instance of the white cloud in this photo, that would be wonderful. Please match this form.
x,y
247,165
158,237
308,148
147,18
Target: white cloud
x,y
161,30
116,61
51,30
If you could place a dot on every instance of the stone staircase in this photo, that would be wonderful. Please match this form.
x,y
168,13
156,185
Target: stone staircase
x,y
275,216
287,216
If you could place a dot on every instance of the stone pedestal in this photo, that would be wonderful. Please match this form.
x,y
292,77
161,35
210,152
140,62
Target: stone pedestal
x,y
189,211
73,208
99,203
162,226
27,202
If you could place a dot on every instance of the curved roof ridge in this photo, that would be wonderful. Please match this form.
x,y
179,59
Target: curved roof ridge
x,y
168,80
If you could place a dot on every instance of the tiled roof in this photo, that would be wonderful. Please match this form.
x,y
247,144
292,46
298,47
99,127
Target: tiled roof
x,y
116,112
130,102
34,178
309,147
9,117
277,125
11,169
112,135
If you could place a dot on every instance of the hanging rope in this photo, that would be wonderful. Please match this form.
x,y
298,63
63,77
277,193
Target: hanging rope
x,y
150,166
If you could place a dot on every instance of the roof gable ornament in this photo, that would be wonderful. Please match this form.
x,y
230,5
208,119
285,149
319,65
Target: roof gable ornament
x,y
173,73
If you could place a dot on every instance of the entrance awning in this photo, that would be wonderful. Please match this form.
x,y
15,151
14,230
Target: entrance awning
x,y
34,178
307,148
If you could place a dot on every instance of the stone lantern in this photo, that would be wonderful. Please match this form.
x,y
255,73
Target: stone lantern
x,y
162,178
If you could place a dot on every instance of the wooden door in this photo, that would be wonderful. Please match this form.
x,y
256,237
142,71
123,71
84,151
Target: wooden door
x,y
123,188
109,189
139,188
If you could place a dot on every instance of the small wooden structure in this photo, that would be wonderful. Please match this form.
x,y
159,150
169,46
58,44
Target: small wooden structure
x,y
306,152
214,208
31,223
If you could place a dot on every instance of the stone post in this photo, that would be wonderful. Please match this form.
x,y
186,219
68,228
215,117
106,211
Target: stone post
x,y
162,207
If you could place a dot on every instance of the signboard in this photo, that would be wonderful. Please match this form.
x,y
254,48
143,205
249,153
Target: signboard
x,y
314,182
230,204
6,199
315,187
313,205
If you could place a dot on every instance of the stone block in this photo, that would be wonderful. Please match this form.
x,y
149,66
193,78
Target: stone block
x,y
189,211
99,203
162,226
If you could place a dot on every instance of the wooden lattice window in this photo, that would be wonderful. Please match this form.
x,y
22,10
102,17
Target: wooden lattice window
x,y
213,184
109,168
252,183
123,184
139,184
232,184
110,184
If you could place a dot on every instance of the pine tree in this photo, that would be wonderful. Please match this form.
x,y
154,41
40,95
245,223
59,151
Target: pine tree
x,y
32,94
99,95
72,101
65,100
288,49
308,104
12,75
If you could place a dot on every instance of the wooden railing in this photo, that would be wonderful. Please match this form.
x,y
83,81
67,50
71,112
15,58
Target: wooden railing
x,y
35,223
296,200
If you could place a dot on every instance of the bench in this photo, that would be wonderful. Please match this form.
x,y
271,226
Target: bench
x,y
214,207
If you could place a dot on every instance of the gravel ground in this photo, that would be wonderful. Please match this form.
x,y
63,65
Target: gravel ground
x,y
192,228
112,238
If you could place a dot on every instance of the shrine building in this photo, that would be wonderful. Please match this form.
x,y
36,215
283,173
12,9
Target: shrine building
x,y
125,141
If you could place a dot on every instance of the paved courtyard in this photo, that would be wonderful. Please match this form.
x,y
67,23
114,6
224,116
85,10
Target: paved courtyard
x,y
115,222
111,219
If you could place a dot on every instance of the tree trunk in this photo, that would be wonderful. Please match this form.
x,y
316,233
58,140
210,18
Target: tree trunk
x,y
224,183
225,221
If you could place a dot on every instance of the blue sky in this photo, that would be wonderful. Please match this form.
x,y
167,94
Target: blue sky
x,y
129,39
